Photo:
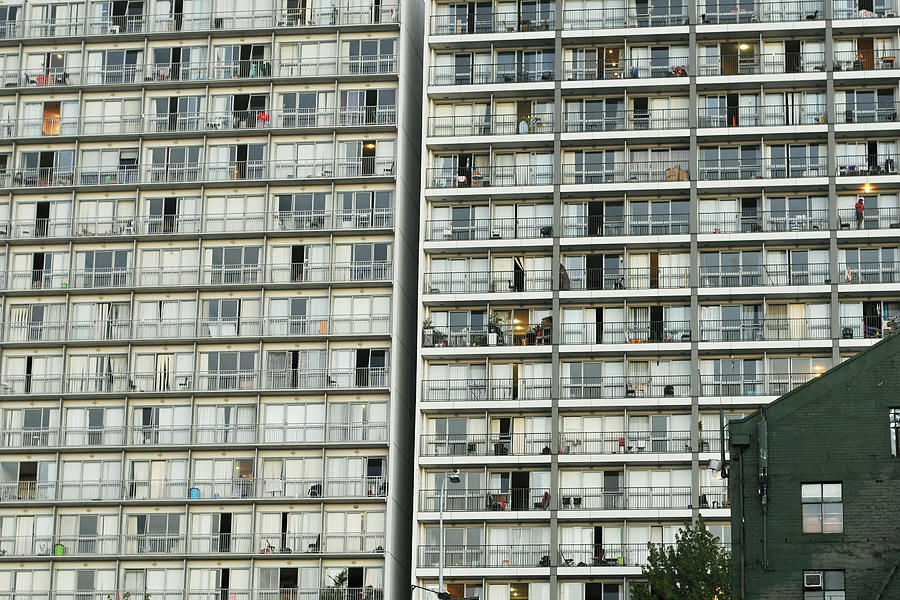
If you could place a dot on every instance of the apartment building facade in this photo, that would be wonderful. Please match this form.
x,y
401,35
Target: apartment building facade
x,y
634,215
203,379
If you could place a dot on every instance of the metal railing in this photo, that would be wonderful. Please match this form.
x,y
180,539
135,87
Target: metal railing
x,y
493,335
625,442
760,11
764,275
120,25
492,499
610,332
755,64
480,390
493,22
517,555
865,60
615,18
626,278
625,386
626,120
622,171
762,168
487,176
484,444
488,229
883,8
756,384
872,218
485,282
502,124
625,68
768,329
887,271
764,220
626,224
480,74
867,164
604,555
866,112
29,437
867,327
767,116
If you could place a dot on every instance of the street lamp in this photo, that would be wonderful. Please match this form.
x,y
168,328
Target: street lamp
x,y
453,476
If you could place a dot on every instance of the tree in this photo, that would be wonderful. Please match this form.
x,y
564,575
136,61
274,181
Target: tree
x,y
695,568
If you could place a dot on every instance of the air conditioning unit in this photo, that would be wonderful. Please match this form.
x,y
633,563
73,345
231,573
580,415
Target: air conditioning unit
x,y
496,234
448,233
812,581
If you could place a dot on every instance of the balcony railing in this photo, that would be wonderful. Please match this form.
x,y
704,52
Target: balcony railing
x,y
865,60
866,112
485,444
488,229
641,498
625,171
887,271
604,555
627,120
498,22
752,221
262,170
764,275
767,116
502,124
496,176
481,74
494,335
630,386
755,384
759,168
476,500
622,224
625,68
763,11
479,390
120,25
625,278
885,8
625,442
634,332
485,282
615,18
524,555
867,327
768,329
867,164
754,64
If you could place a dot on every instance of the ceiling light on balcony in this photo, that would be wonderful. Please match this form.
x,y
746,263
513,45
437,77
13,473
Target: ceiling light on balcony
x,y
867,188
744,46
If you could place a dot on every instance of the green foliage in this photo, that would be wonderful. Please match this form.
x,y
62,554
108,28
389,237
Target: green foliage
x,y
695,568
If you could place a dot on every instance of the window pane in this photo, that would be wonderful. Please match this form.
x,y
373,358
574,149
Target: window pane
x,y
810,492
831,492
812,518
834,580
834,517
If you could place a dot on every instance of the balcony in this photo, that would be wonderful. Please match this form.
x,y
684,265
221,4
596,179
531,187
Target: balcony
x,y
865,60
496,176
768,329
759,168
617,18
503,124
483,74
625,442
626,120
605,555
480,390
485,444
641,498
632,332
478,500
119,25
762,116
867,164
870,272
631,386
867,327
493,335
764,275
761,12
752,384
493,22
885,8
756,64
521,228
485,282
516,555
755,221
622,225
625,68
29,437
625,278
612,171
866,112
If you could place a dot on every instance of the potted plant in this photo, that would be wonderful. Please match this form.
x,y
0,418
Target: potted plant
x,y
427,333
495,330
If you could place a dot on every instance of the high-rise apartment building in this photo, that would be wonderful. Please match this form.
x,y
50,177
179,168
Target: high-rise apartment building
x,y
208,214
635,214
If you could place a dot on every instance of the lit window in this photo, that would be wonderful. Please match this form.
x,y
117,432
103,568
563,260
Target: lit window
x,y
823,585
823,509
895,431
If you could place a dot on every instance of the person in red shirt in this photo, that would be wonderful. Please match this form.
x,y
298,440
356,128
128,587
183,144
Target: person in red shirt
x,y
860,209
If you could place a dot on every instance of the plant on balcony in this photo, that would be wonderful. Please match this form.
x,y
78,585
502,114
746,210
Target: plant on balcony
x,y
696,567
337,589
431,337
495,330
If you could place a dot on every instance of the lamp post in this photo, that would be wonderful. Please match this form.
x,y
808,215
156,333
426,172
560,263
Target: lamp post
x,y
453,477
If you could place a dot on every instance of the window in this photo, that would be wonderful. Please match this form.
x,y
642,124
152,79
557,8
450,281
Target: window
x,y
895,432
823,509
823,585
